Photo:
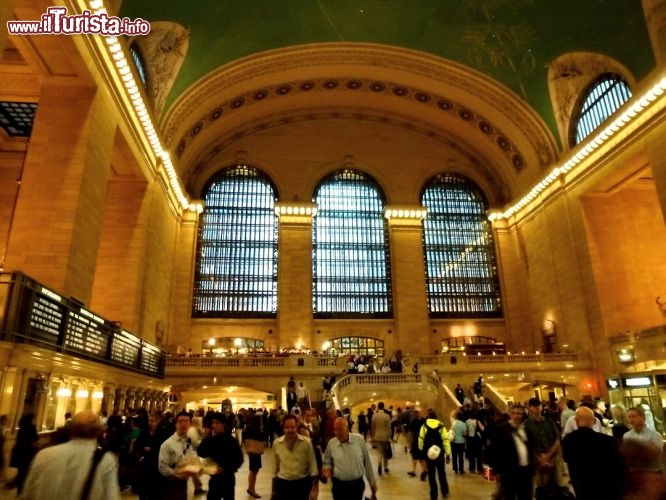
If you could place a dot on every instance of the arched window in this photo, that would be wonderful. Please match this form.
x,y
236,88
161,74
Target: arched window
x,y
461,272
351,272
363,346
605,96
236,269
138,62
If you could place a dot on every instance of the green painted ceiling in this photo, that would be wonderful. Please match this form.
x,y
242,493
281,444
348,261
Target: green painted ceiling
x,y
510,40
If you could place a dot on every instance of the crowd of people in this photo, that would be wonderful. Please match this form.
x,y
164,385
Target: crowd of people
x,y
540,449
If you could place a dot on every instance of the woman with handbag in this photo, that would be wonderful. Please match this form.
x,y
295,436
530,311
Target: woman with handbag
x,y
254,441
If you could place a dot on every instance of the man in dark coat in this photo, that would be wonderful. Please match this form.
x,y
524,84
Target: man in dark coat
x,y
596,465
223,449
511,455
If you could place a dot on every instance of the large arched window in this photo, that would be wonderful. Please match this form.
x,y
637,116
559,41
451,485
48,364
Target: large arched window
x,y
236,270
461,272
351,272
603,97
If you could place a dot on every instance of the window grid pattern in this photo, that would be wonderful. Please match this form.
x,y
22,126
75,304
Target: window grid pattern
x,y
237,247
363,346
227,346
17,118
351,270
461,271
603,98
138,63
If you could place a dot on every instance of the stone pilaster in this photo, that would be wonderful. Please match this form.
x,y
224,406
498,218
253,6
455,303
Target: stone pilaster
x,y
56,230
408,270
295,276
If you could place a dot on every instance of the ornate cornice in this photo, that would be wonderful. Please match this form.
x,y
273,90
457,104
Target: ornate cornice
x,y
487,170
224,110
428,76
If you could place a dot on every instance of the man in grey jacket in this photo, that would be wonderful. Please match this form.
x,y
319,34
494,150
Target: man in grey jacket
x,y
381,436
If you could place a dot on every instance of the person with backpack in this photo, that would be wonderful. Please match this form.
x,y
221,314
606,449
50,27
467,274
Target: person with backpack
x,y
435,444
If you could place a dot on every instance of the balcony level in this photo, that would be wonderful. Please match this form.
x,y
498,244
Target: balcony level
x,y
512,376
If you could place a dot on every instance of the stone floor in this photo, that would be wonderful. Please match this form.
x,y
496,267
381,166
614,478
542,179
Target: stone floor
x,y
394,485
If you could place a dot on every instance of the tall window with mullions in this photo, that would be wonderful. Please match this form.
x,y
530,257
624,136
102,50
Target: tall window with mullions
x,y
461,270
236,267
602,98
351,271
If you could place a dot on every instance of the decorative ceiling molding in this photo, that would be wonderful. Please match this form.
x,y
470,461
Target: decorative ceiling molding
x,y
483,126
425,73
483,169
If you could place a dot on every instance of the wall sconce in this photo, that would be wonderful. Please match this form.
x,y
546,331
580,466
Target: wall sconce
x,y
626,355
64,392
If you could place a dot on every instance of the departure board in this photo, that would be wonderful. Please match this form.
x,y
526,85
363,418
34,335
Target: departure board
x,y
151,359
87,333
125,349
46,318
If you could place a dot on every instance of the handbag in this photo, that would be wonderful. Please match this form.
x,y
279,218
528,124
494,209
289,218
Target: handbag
x,y
388,451
254,447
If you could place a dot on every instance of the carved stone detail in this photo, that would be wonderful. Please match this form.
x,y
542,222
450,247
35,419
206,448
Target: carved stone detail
x,y
568,78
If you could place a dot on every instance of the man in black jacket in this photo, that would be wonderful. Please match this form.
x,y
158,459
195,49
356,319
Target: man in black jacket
x,y
511,456
223,449
595,462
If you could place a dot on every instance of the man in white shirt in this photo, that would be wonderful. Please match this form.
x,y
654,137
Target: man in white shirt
x,y
347,462
61,471
296,472
175,453
642,446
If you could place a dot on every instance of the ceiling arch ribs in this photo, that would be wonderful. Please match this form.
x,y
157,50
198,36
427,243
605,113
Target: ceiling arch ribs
x,y
414,82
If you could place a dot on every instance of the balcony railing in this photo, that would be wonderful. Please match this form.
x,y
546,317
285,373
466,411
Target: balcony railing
x,y
291,362
444,363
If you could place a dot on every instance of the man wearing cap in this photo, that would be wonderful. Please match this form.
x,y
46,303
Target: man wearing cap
x,y
546,438
223,449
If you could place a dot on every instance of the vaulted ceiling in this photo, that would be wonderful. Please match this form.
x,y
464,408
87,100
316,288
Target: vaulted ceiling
x,y
512,41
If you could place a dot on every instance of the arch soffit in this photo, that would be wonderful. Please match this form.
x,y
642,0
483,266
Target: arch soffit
x,y
441,92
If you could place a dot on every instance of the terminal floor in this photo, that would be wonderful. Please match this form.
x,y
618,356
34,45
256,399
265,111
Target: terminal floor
x,y
394,485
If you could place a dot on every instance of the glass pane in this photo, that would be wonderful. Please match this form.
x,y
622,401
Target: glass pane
x,y
236,271
351,273
461,272
603,98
